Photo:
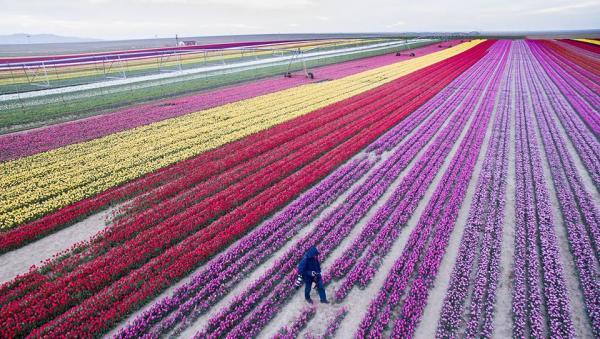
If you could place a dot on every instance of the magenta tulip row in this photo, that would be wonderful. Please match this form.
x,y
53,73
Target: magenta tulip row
x,y
580,214
540,294
479,249
266,295
422,254
571,97
291,331
193,298
383,229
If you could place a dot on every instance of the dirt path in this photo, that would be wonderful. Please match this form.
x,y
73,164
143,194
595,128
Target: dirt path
x,y
427,329
20,260
579,317
503,312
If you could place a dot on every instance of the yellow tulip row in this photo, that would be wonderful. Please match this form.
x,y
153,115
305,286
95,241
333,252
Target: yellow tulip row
x,y
70,72
589,41
33,186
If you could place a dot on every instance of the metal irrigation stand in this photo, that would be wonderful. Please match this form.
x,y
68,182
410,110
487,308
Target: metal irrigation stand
x,y
118,63
403,48
299,54
163,59
34,75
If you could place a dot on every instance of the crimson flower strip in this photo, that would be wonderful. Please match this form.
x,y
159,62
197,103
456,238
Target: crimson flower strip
x,y
580,214
380,310
66,216
105,267
182,184
30,142
479,250
382,230
583,45
99,312
586,59
251,310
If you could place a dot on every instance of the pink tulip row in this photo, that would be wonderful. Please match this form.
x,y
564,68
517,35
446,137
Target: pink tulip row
x,y
291,331
479,250
572,96
581,215
382,230
539,291
21,144
422,254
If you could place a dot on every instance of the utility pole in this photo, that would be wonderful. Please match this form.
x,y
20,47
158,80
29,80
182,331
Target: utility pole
x,y
176,40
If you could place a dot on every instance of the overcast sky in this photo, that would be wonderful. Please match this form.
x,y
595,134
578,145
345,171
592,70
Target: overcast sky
x,y
123,19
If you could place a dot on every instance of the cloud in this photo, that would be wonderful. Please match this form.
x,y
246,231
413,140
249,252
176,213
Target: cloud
x,y
396,24
567,8
254,4
322,18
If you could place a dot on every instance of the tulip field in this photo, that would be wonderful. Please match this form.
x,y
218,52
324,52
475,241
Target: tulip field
x,y
451,193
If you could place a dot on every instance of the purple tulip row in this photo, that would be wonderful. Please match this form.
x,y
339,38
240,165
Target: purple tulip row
x,y
292,331
580,214
335,323
428,240
591,214
568,96
258,304
196,296
384,228
540,296
479,250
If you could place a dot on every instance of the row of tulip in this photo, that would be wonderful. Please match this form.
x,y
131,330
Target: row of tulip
x,y
90,278
399,98
260,142
16,145
183,228
587,58
386,225
539,278
426,245
253,146
148,62
476,270
580,214
166,199
36,185
293,330
253,308
332,327
193,298
581,47
573,96
334,324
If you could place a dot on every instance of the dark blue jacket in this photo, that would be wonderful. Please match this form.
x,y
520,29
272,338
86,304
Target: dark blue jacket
x,y
309,263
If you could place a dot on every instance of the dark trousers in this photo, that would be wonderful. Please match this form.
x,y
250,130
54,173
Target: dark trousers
x,y
308,281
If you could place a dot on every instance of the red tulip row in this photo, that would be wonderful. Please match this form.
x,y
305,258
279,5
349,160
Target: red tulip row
x,y
592,65
66,216
128,228
583,45
112,303
56,296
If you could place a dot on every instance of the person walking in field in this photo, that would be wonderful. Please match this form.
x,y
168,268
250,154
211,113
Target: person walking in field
x,y
309,269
